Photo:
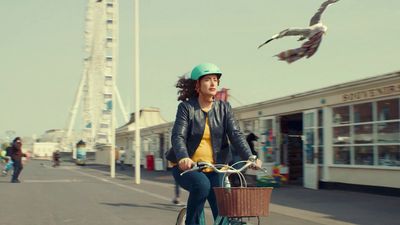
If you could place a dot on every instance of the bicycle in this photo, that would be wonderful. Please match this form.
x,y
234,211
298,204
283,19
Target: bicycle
x,y
228,198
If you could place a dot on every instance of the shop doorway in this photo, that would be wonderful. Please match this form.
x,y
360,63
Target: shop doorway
x,y
292,146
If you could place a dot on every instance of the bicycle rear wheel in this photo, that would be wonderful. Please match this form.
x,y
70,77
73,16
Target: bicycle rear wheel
x,y
180,220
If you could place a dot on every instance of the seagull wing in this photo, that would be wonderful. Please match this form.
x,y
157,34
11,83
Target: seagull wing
x,y
293,32
289,32
317,16
291,55
265,42
307,49
305,32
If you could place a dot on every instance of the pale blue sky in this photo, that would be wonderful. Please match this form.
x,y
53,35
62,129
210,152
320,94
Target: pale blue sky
x,y
42,43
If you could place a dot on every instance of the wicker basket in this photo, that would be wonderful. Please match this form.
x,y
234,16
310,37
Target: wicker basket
x,y
243,201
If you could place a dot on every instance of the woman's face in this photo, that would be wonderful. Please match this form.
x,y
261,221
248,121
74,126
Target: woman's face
x,y
207,85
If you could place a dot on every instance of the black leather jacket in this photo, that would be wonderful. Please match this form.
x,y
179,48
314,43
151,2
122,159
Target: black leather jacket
x,y
189,128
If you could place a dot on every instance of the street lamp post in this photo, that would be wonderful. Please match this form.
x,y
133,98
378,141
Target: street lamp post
x,y
137,95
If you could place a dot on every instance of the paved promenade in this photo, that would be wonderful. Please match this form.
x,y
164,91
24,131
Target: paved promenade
x,y
88,196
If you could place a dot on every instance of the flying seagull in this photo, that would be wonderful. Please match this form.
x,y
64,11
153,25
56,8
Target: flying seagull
x,y
313,33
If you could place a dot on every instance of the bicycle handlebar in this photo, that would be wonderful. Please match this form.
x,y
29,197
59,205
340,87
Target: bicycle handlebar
x,y
221,168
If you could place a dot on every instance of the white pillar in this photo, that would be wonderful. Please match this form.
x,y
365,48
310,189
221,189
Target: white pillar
x,y
327,135
137,96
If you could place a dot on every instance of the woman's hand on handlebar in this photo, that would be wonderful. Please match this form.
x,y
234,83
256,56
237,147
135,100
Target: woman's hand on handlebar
x,y
258,163
185,164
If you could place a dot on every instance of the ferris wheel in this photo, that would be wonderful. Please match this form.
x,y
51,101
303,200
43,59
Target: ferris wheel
x,y
97,89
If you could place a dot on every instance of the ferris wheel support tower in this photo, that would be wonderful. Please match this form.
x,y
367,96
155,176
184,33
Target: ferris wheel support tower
x,y
97,88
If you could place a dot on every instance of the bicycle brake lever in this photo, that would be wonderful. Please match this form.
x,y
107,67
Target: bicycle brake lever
x,y
201,165
187,171
196,167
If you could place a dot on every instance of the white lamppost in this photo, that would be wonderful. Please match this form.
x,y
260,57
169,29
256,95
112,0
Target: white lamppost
x,y
137,95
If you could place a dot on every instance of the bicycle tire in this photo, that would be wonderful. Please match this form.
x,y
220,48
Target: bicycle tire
x,y
180,220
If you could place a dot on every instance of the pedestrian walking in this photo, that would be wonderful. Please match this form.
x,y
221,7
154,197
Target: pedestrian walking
x,y
16,156
122,160
56,158
177,192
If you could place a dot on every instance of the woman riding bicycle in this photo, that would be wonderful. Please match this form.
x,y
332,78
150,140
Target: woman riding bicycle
x,y
200,133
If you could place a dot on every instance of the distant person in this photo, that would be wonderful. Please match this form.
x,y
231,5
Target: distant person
x,y
16,156
7,160
121,160
177,191
250,138
56,158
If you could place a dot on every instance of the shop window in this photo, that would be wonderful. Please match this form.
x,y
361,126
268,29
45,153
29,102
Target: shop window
x,y
341,115
363,112
321,136
320,118
363,134
388,132
268,147
372,136
267,140
321,155
389,155
388,109
309,145
363,155
248,126
341,155
341,135
308,120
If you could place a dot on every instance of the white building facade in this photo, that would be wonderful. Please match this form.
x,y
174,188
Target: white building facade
x,y
44,150
344,134
150,120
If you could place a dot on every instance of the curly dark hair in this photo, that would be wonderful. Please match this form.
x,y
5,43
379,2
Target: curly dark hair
x,y
16,139
187,88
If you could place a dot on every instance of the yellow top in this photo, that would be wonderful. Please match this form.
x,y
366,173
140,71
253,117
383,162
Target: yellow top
x,y
204,152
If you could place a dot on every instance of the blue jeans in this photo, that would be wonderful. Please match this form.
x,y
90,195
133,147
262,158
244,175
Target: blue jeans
x,y
17,170
200,186
177,190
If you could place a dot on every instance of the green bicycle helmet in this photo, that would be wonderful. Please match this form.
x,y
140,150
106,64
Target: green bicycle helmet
x,y
205,69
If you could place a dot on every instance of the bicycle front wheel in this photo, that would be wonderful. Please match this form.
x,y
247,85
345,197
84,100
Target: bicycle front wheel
x,y
180,220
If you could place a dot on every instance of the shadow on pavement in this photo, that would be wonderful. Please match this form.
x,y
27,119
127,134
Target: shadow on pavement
x,y
158,206
160,176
